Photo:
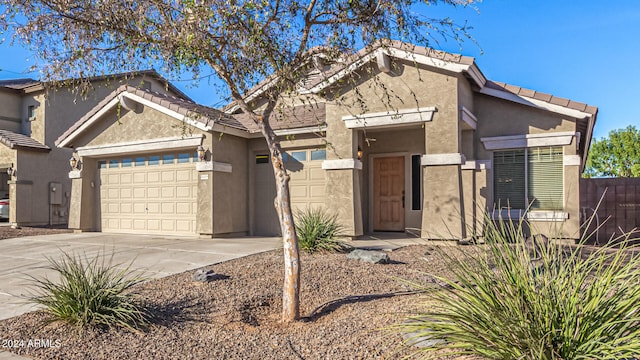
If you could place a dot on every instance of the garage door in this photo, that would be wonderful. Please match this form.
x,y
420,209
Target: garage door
x,y
149,194
306,186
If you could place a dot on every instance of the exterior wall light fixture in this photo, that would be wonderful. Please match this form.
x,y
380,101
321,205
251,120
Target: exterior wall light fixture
x,y
73,162
359,153
202,153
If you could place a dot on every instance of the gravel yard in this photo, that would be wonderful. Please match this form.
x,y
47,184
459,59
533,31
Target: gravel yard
x,y
6,232
237,316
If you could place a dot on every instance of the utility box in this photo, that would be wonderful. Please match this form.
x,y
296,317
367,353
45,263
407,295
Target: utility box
x,y
55,193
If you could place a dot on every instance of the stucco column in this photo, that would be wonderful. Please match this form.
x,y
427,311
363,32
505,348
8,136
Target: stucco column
x,y
20,201
343,193
215,201
204,219
84,203
442,215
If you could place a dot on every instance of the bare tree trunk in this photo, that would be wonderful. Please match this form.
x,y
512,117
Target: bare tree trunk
x,y
282,203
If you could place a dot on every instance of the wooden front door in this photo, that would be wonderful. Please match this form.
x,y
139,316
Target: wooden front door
x,y
388,194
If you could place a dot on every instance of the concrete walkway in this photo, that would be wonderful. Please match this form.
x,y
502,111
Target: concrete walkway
x,y
156,255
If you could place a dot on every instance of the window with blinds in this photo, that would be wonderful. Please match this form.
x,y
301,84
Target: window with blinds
x,y
545,178
528,177
509,179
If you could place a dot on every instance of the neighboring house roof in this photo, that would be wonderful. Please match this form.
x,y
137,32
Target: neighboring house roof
x,y
18,84
202,117
30,85
19,141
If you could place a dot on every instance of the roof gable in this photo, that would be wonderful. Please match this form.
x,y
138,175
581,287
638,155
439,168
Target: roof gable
x,y
201,117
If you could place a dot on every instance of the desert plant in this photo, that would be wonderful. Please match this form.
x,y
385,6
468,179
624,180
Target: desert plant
x,y
90,291
517,300
319,231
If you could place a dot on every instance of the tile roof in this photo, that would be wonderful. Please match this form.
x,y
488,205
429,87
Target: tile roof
x,y
316,78
199,113
301,116
520,91
18,84
19,141
26,83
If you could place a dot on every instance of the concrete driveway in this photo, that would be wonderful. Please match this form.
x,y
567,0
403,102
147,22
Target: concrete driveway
x,y
156,255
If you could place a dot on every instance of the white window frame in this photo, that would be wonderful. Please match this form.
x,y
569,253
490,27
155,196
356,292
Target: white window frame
x,y
531,215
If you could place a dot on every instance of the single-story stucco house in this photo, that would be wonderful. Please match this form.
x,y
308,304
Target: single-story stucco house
x,y
429,160
33,171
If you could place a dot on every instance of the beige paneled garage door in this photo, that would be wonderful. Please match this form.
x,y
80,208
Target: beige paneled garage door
x,y
149,194
306,186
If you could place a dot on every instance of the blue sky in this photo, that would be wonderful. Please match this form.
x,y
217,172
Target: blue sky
x,y
587,51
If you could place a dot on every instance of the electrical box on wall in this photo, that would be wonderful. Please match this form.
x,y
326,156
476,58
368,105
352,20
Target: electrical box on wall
x,y
55,193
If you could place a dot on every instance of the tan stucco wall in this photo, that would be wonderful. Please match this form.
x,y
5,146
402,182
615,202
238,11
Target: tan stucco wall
x,y
10,111
133,127
406,84
32,204
497,117
230,197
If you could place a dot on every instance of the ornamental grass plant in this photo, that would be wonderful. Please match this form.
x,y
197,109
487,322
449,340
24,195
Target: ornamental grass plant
x,y
518,298
90,292
319,231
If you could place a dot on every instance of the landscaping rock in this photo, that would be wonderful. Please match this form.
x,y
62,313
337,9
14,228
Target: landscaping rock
x,y
204,275
370,256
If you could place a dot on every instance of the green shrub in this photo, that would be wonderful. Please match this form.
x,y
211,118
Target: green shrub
x,y
319,231
90,292
517,300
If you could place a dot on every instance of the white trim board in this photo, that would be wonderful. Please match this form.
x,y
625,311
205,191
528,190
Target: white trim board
x,y
562,110
468,118
532,215
127,98
339,164
89,122
471,70
528,140
477,165
214,166
389,119
442,159
141,146
571,160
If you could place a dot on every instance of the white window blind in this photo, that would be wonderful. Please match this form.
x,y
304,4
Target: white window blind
x,y
528,177
545,178
509,179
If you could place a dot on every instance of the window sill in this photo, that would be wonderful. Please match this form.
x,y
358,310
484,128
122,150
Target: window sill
x,y
535,215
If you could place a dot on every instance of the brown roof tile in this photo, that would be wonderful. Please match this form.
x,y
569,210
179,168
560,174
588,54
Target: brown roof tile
x,y
526,92
542,96
577,105
15,140
559,101
512,88
301,116
18,84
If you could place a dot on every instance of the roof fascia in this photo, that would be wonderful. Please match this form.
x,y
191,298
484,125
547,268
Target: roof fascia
x,y
472,70
539,104
93,119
